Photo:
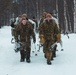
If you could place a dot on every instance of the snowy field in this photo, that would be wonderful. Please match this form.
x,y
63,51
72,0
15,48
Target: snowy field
x,y
63,64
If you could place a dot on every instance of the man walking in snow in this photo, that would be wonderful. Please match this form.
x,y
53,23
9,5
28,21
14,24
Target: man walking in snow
x,y
25,30
47,32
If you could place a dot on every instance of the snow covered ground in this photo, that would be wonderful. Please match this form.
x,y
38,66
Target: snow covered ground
x,y
63,64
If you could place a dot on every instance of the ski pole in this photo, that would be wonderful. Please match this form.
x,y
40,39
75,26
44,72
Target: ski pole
x,y
61,43
35,49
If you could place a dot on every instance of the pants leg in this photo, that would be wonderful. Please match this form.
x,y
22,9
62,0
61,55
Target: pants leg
x,y
22,51
48,52
22,54
28,50
48,55
54,52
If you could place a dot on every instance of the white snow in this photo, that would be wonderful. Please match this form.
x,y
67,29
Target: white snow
x,y
63,64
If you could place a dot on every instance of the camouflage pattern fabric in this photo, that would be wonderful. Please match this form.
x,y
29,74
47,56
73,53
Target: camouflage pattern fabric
x,y
49,30
25,32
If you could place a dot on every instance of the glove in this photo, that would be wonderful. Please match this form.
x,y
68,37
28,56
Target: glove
x,y
34,40
12,25
42,40
41,36
17,40
58,37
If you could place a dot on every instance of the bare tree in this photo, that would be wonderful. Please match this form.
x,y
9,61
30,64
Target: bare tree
x,y
13,8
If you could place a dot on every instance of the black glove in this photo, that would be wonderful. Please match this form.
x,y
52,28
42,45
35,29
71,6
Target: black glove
x,y
12,25
34,40
17,41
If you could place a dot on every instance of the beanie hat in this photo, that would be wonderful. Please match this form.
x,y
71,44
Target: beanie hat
x,y
48,15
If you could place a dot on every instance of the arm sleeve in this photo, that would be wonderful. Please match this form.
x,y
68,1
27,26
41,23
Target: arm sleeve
x,y
32,33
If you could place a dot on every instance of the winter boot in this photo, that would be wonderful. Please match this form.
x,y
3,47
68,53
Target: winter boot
x,y
28,57
22,56
28,60
22,60
49,62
